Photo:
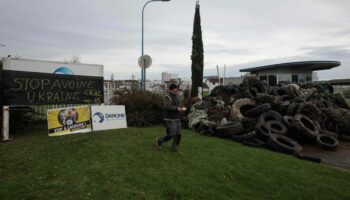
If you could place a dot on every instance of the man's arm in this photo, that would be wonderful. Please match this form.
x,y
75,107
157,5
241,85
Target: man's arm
x,y
167,104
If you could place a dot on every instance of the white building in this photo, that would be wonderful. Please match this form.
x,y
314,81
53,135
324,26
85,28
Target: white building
x,y
293,72
167,77
110,87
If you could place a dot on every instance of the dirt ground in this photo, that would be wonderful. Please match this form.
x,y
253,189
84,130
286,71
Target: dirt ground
x,y
339,158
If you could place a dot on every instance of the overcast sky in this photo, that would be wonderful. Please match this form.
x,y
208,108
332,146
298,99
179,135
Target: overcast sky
x,y
238,33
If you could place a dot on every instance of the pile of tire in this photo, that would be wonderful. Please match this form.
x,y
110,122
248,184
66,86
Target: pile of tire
x,y
281,118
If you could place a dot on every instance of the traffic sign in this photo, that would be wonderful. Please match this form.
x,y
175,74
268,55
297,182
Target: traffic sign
x,y
145,61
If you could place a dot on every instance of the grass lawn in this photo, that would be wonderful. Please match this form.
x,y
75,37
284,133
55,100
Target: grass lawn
x,y
205,93
121,164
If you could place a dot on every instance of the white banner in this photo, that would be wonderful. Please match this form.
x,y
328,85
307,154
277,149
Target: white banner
x,y
108,117
51,67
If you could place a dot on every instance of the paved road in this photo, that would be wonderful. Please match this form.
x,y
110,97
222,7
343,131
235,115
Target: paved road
x,y
339,158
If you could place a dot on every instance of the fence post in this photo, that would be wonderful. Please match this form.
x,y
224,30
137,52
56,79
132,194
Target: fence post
x,y
5,122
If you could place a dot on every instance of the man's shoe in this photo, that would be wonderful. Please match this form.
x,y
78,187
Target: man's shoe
x,y
157,145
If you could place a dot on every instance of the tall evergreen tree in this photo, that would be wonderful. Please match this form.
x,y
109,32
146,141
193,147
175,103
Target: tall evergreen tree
x,y
197,53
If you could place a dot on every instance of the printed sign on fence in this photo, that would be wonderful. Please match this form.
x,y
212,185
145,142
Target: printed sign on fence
x,y
68,120
108,117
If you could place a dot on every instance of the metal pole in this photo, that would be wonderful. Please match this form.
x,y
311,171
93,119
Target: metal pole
x,y
142,46
144,78
143,70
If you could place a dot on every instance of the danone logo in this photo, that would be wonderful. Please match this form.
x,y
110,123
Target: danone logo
x,y
115,116
63,70
98,117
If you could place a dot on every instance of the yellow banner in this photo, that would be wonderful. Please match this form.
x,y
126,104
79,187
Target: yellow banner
x,y
68,120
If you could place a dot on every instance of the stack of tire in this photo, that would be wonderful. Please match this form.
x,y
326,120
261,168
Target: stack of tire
x,y
283,117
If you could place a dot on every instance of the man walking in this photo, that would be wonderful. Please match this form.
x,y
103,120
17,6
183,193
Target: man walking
x,y
172,112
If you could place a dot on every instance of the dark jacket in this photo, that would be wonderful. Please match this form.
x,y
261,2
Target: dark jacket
x,y
171,104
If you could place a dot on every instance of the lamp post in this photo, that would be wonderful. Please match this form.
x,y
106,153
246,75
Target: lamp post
x,y
143,70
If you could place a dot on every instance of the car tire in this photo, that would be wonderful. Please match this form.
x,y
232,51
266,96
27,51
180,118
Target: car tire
x,y
239,106
305,126
327,142
276,127
255,112
269,115
284,144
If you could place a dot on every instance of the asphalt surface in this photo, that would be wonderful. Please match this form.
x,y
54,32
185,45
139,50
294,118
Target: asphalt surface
x,y
339,158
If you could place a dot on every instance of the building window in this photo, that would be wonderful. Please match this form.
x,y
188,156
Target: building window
x,y
301,79
308,78
263,78
295,78
272,80
283,78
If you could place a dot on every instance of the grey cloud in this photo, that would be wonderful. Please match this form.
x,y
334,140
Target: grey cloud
x,y
110,31
328,52
342,33
163,40
230,51
175,67
341,72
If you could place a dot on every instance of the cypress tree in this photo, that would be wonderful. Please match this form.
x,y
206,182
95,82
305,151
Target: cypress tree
x,y
197,53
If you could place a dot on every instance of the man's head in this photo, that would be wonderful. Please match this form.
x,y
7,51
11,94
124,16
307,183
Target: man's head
x,y
173,88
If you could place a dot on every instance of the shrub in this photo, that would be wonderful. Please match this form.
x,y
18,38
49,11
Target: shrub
x,y
142,108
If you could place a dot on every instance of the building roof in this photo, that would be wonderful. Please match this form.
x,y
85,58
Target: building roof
x,y
312,65
339,82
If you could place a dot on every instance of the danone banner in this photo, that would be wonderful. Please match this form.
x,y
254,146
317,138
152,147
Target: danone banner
x,y
33,82
108,117
68,120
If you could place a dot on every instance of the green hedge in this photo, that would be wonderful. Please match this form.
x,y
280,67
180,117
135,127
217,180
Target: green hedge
x,y
142,108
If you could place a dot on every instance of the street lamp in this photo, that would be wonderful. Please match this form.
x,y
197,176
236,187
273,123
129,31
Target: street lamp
x,y
143,70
